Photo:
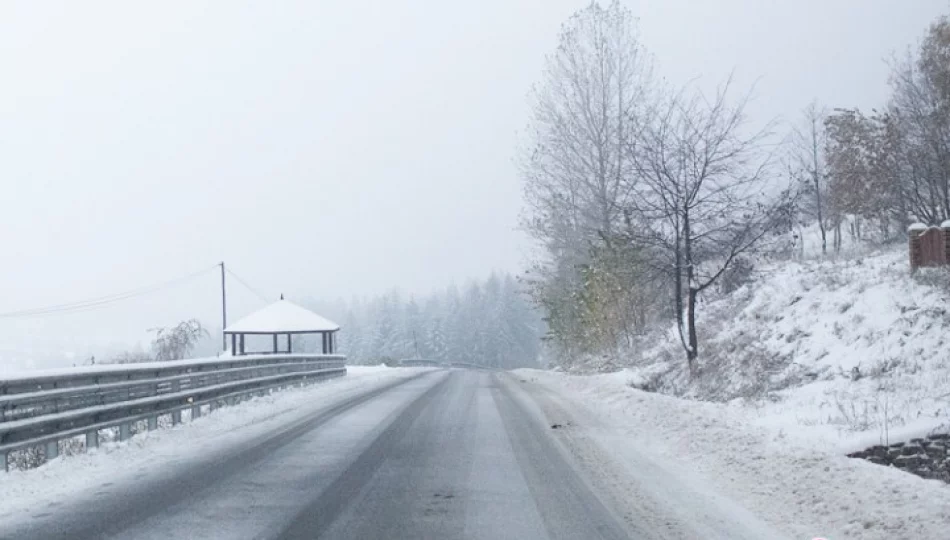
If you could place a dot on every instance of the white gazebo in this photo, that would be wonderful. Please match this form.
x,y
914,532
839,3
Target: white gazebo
x,y
282,318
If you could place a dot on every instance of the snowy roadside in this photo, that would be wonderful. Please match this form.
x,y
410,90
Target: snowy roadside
x,y
149,453
726,467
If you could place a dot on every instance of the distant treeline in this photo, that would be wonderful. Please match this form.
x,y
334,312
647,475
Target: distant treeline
x,y
488,323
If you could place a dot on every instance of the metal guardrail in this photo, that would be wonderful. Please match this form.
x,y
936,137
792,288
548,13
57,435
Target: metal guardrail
x,y
46,408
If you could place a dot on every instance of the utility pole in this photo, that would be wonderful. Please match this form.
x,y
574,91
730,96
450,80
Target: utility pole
x,y
224,311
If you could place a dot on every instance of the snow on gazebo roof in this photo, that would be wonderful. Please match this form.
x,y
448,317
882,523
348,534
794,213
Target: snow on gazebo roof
x,y
282,317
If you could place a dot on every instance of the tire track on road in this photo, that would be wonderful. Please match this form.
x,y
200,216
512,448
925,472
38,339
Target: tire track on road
x,y
319,515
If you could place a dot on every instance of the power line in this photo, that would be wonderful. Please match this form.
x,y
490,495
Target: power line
x,y
103,300
246,286
94,303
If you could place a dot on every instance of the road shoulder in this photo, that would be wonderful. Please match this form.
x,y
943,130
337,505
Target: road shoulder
x,y
654,497
799,492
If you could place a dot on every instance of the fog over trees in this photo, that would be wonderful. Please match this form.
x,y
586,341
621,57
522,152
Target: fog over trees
x,y
489,323
643,198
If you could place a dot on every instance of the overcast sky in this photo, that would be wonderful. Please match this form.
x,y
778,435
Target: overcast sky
x,y
329,148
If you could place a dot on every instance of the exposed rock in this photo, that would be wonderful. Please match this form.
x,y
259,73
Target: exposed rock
x,y
936,451
924,457
907,462
911,450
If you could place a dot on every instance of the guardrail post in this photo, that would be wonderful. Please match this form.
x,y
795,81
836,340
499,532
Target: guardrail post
x,y
52,450
92,439
176,418
125,431
6,461
152,423
196,412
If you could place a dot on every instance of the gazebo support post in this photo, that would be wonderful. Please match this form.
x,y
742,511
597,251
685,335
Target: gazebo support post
x,y
275,343
290,345
233,344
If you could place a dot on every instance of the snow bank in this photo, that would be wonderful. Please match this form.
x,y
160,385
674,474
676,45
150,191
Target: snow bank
x,y
74,476
842,353
721,454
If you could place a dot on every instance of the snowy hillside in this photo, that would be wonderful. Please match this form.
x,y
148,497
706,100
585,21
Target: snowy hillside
x,y
853,347
809,361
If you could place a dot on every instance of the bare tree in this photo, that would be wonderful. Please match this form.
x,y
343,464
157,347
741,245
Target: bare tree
x,y
176,342
919,126
578,176
702,201
808,144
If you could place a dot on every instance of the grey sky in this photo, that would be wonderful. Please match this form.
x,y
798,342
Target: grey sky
x,y
330,148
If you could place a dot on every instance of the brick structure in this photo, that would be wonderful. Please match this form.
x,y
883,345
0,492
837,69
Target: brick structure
x,y
929,246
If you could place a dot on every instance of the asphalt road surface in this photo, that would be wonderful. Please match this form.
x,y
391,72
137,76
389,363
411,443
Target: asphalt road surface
x,y
449,454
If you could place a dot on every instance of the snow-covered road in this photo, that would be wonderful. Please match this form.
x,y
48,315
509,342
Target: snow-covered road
x,y
394,454
417,453
47,493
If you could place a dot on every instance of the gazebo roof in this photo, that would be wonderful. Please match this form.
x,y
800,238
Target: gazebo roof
x,y
282,317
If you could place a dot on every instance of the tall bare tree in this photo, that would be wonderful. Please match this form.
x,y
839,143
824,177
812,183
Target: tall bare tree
x,y
919,129
703,195
808,144
578,175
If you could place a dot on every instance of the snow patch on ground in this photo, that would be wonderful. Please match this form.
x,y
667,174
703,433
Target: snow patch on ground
x,y
722,453
74,476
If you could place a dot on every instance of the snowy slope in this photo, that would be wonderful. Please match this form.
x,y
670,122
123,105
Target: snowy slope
x,y
809,361
843,351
